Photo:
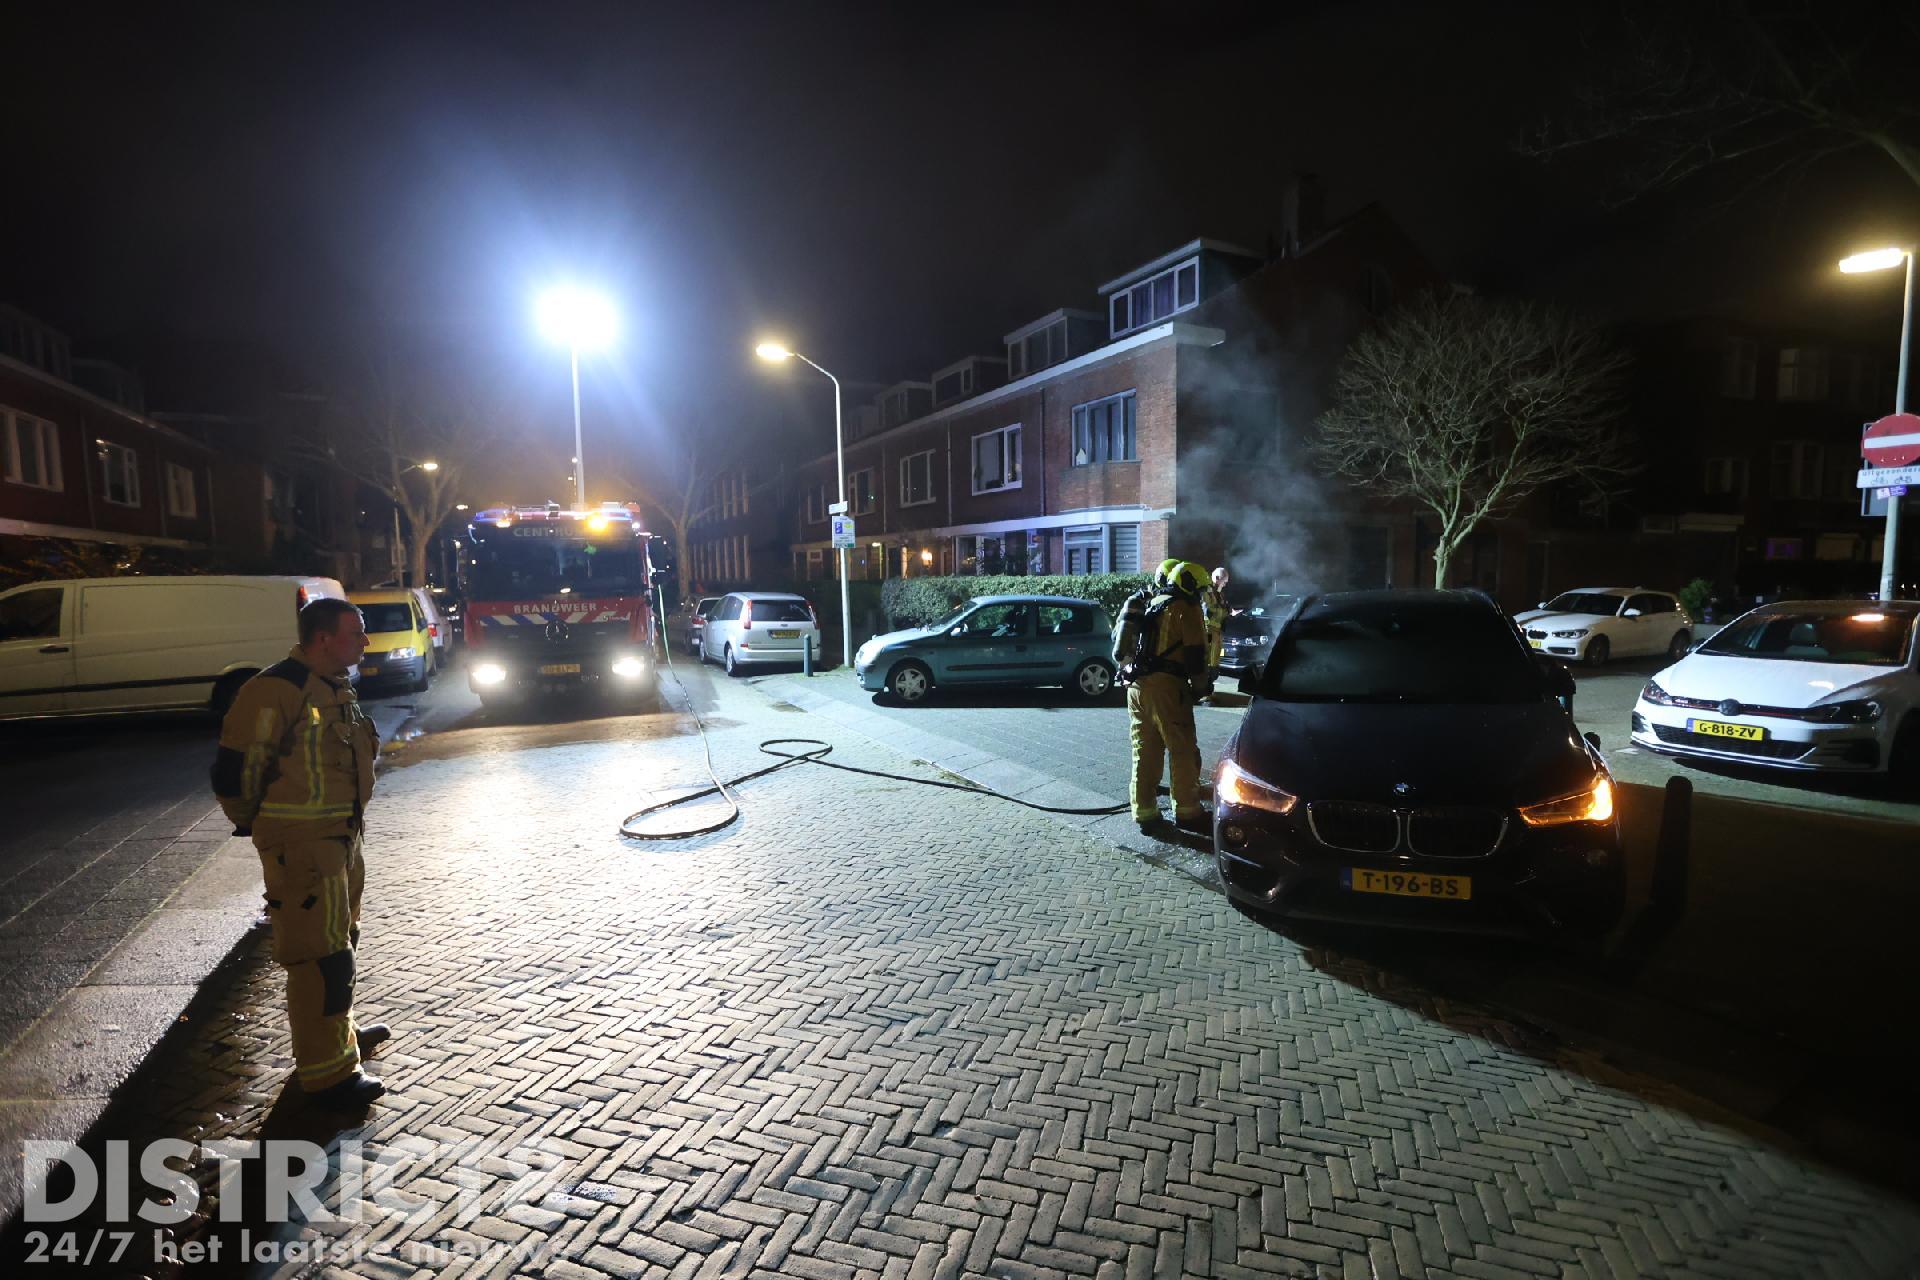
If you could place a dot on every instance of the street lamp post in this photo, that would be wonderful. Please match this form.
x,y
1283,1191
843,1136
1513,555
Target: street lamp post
x,y
584,321
775,352
1881,260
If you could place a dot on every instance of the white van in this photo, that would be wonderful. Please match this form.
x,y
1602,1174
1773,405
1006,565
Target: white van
x,y
95,646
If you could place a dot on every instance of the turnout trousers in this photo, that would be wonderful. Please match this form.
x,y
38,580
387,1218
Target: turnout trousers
x,y
313,902
1160,722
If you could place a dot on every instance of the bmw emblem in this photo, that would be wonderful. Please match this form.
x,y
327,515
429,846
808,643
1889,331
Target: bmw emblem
x,y
1730,708
1403,789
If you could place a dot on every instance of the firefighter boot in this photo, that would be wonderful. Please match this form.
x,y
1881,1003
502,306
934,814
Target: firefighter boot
x,y
308,905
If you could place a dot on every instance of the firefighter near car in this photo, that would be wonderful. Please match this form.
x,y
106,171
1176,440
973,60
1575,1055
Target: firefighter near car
x,y
1160,649
563,601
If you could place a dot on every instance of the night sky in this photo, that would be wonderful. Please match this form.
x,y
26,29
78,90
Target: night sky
x,y
889,187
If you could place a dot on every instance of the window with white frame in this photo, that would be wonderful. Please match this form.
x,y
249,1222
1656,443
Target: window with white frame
x,y
1739,368
1103,431
31,451
861,497
1086,549
181,501
996,460
1160,295
119,474
916,479
816,503
1797,469
1803,373
1726,477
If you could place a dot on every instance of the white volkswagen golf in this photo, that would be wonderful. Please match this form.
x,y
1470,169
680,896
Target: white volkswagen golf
x,y
1826,685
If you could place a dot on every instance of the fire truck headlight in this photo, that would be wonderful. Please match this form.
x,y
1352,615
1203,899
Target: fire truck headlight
x,y
629,667
489,673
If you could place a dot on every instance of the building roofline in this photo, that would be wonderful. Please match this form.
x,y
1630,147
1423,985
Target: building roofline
x,y
963,362
11,365
1169,258
1064,313
1183,334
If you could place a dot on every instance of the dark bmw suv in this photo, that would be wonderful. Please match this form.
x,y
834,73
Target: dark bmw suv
x,y
1407,761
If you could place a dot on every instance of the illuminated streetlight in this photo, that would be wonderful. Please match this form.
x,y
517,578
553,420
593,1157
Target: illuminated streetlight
x,y
1882,260
582,320
776,353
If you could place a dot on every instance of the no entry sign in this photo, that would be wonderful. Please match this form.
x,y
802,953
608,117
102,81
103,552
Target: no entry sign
x,y
1894,441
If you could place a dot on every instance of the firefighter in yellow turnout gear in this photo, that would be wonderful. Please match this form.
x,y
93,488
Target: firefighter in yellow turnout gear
x,y
295,771
1160,649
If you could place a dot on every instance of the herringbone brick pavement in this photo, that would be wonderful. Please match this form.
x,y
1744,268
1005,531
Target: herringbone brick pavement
x,y
876,1030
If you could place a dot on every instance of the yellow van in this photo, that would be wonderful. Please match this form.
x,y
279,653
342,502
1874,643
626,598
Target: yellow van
x,y
399,640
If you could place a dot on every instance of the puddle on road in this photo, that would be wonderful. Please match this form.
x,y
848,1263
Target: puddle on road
x,y
479,736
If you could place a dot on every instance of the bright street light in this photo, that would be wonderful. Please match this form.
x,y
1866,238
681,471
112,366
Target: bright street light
x,y
576,317
582,320
775,352
1873,260
1881,260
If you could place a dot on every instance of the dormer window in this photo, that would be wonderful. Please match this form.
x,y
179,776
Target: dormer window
x,y
1154,299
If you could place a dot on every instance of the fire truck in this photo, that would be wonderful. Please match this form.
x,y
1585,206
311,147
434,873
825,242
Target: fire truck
x,y
562,601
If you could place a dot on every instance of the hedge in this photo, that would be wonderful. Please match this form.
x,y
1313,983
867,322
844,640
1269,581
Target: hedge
x,y
918,602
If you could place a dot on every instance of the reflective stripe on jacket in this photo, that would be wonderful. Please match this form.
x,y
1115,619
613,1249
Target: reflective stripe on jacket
x,y
296,755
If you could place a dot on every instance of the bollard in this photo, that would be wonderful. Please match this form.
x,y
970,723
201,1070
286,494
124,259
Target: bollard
x,y
1668,892
806,658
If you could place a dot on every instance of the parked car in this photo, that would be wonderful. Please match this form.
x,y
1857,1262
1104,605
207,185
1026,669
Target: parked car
x,y
399,643
995,640
452,610
688,621
92,646
1245,635
750,628
1407,761
1596,624
437,628
1828,685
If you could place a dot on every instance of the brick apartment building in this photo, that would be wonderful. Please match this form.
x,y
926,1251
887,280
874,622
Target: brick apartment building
x,y
89,465
1171,420
1752,486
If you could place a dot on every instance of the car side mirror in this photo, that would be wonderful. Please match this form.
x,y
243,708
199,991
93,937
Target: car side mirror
x,y
1558,679
1631,613
956,631
1541,605
1250,678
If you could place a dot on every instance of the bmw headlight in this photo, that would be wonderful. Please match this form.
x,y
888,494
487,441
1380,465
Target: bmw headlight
x,y
402,653
1593,804
1574,634
489,673
1857,711
1234,785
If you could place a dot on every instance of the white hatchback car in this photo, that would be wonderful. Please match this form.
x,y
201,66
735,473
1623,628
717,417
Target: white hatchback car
x,y
1597,624
1825,685
750,627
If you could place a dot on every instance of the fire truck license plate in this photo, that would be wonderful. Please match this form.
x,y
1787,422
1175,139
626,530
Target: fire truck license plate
x,y
561,669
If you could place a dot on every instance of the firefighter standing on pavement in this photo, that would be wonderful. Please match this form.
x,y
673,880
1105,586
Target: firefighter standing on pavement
x,y
1213,608
1161,651
295,770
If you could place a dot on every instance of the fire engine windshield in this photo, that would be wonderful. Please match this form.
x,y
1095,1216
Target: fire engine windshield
x,y
515,570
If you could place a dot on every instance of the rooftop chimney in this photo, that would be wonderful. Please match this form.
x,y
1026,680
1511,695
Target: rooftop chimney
x,y
1303,213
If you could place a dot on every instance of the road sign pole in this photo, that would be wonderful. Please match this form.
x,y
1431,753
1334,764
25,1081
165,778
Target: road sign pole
x,y
1890,545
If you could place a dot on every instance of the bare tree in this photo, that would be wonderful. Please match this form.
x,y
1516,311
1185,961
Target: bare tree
x,y
1466,406
1773,88
417,438
677,482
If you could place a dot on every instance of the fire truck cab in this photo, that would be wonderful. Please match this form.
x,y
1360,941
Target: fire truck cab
x,y
561,601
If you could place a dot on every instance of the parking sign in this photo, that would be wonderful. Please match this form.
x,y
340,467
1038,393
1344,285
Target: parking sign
x,y
843,531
